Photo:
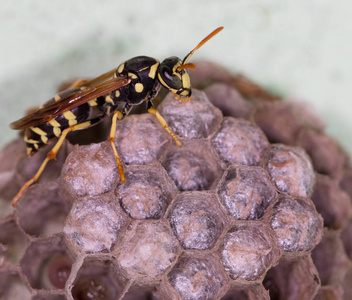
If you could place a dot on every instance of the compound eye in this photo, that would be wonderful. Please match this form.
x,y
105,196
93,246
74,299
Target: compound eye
x,y
169,79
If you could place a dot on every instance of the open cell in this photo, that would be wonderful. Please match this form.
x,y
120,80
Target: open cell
x,y
47,263
98,278
42,200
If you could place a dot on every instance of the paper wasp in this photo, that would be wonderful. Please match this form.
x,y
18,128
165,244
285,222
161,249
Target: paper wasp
x,y
86,103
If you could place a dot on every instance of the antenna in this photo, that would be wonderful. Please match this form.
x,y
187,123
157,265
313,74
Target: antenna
x,y
207,38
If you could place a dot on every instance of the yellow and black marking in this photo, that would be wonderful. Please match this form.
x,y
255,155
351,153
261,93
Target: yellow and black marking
x,y
87,102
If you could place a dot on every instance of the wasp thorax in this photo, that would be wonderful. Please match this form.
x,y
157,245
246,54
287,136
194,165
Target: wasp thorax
x,y
177,81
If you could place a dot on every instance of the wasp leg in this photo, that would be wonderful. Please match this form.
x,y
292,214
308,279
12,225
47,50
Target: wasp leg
x,y
182,99
51,155
163,122
117,115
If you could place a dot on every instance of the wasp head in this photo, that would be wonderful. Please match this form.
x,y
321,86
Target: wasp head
x,y
175,78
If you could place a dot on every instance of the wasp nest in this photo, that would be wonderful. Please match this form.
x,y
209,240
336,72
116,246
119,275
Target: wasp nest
x,y
256,204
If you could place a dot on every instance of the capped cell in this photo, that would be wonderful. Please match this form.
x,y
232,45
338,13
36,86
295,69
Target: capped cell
x,y
95,223
246,192
90,170
297,224
291,170
240,141
147,249
140,139
193,167
194,119
196,220
248,251
198,277
147,192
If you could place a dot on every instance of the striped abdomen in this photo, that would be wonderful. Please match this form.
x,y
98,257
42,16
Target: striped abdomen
x,y
93,111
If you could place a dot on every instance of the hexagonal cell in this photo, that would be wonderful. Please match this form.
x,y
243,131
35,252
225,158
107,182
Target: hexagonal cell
x,y
193,166
192,119
14,242
327,156
240,141
208,72
147,249
246,192
330,259
146,193
248,251
297,224
47,263
90,170
278,123
140,139
291,170
98,278
198,277
95,223
229,100
252,292
196,220
42,200
331,202
293,279
11,285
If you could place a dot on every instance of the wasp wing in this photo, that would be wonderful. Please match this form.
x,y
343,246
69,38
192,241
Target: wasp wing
x,y
78,98
94,81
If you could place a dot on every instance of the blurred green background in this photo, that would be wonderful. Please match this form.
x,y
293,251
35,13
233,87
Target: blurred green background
x,y
301,49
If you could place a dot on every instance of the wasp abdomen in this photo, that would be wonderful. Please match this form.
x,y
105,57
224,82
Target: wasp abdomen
x,y
93,111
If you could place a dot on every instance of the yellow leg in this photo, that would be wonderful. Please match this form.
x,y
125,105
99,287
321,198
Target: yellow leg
x,y
51,155
162,121
117,115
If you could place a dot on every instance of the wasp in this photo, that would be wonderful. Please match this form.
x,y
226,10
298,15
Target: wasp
x,y
87,102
